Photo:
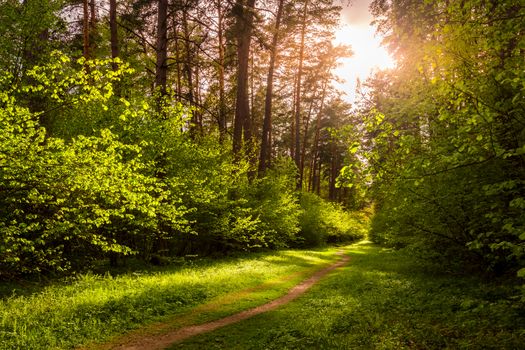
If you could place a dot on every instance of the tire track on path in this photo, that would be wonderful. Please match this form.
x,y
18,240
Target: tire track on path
x,y
162,341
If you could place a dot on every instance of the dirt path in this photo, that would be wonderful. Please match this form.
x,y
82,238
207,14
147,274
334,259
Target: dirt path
x,y
162,341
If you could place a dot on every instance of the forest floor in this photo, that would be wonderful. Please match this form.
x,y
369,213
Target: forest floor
x,y
381,299
94,308
164,340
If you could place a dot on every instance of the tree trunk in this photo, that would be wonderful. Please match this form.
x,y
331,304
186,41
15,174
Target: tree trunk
x,y
265,155
332,194
306,123
85,28
242,120
315,150
92,27
161,72
316,138
114,38
292,124
197,102
318,179
177,60
222,103
113,30
189,73
297,112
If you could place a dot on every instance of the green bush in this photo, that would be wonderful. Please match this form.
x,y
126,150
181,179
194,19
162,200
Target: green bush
x,y
66,202
230,212
324,222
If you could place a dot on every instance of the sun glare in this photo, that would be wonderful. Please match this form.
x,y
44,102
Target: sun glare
x,y
368,56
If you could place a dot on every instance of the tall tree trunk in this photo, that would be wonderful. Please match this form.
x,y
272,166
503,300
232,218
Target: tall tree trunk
x,y
189,73
177,59
318,179
93,14
316,138
197,112
222,103
332,194
113,30
312,172
297,112
242,105
92,27
161,72
114,38
292,124
266,146
306,123
85,28
251,76
315,150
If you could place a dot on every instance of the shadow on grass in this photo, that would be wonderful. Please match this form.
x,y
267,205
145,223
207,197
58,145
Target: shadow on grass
x,y
382,300
36,284
96,307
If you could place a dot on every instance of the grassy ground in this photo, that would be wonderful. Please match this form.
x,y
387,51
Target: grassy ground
x,y
382,300
94,308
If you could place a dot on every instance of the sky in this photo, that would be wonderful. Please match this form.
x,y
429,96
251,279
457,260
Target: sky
x,y
356,31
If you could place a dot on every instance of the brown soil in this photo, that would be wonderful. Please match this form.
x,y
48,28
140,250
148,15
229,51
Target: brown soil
x,y
162,341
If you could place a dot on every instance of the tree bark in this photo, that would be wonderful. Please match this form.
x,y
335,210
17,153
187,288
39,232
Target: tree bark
x,y
178,68
161,72
197,102
242,120
334,164
266,146
85,28
292,124
297,111
316,138
315,150
114,38
222,104
92,26
306,123
189,73
113,30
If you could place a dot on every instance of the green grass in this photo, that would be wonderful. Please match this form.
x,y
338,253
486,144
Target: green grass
x,y
94,308
383,300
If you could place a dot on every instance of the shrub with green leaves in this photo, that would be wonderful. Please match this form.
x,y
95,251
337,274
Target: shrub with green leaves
x,y
65,202
446,144
232,212
325,222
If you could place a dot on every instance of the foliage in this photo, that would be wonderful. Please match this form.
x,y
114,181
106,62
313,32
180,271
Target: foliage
x,y
29,30
325,222
445,132
110,176
232,212
66,202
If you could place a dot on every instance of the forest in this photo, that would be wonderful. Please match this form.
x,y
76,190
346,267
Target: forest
x,y
155,131
161,129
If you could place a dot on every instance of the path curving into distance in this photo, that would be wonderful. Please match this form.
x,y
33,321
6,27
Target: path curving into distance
x,y
162,341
